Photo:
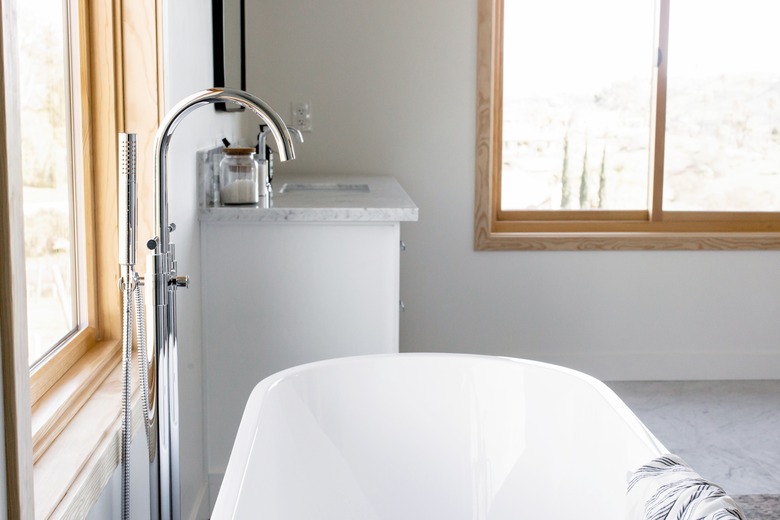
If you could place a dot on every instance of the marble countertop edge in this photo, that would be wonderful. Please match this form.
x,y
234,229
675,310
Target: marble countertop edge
x,y
384,201
307,214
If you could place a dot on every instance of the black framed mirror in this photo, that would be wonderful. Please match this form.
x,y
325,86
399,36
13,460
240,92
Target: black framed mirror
x,y
229,48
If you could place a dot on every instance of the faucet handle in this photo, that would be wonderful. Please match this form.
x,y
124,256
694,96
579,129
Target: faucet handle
x,y
181,281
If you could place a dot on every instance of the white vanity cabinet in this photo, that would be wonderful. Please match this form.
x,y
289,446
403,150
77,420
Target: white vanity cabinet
x,y
313,277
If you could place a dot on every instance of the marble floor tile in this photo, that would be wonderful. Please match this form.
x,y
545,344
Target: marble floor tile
x,y
759,507
728,431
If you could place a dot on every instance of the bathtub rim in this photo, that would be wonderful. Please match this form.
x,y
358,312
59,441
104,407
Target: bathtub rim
x,y
240,454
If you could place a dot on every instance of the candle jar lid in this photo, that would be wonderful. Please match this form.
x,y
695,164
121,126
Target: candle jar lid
x,y
238,151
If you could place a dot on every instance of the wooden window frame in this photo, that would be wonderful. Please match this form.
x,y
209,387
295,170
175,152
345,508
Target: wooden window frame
x,y
61,437
655,228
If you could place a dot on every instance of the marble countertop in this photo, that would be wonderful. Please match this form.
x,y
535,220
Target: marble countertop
x,y
323,198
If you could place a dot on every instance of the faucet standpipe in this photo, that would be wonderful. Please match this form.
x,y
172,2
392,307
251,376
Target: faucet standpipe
x,y
164,280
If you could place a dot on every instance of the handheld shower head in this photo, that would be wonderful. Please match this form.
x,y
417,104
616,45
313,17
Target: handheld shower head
x,y
127,200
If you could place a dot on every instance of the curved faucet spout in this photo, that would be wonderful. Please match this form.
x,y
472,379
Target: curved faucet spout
x,y
275,124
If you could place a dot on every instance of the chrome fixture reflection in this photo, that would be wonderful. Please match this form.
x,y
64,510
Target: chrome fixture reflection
x,y
161,283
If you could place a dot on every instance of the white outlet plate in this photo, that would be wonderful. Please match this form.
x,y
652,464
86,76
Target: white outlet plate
x,y
301,115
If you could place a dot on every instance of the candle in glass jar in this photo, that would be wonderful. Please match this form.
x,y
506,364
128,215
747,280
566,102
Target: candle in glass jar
x,y
238,177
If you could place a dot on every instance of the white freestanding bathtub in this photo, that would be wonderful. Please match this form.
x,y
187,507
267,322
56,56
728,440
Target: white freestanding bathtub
x,y
432,437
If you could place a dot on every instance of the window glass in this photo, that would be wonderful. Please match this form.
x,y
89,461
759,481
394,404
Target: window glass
x,y
576,104
723,106
47,173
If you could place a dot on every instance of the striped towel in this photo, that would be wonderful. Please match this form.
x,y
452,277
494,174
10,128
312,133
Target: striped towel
x,y
668,489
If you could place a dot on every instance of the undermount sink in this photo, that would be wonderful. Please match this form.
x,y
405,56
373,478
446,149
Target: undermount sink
x,y
324,186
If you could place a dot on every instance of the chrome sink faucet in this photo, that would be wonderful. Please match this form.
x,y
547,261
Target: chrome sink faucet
x,y
161,284
266,155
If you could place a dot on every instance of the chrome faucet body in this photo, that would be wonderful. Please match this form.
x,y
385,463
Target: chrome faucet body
x,y
161,284
267,160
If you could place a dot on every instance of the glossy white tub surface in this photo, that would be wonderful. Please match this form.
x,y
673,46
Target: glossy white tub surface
x,y
432,436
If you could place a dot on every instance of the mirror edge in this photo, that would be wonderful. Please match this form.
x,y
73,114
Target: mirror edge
x,y
218,31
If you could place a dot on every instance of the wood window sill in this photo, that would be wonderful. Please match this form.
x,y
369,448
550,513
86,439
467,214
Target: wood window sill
x,y
617,241
79,450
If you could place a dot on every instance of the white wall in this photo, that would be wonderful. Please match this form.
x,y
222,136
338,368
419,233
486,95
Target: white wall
x,y
392,86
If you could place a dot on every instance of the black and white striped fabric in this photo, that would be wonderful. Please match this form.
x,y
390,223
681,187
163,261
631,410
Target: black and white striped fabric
x,y
668,489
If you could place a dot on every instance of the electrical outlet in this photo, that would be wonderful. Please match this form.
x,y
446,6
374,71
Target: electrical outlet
x,y
301,115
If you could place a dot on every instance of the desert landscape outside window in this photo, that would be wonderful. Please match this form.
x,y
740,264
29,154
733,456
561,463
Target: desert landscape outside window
x,y
625,118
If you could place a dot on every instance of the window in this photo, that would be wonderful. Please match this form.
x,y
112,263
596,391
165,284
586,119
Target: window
x,y
105,54
611,124
57,196
47,104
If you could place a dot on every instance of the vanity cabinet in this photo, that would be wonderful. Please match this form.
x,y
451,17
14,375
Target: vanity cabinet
x,y
313,277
